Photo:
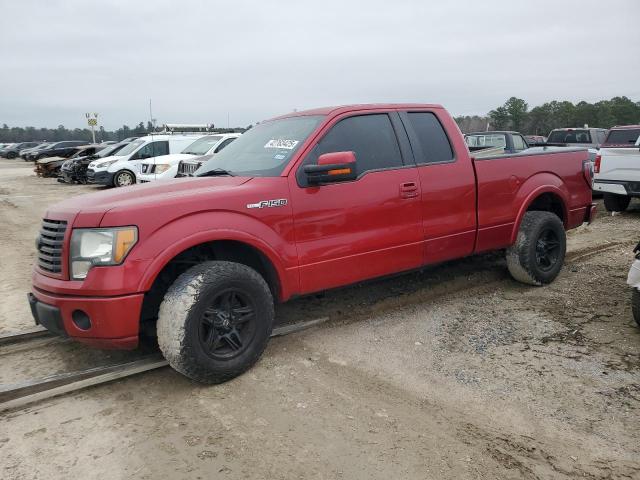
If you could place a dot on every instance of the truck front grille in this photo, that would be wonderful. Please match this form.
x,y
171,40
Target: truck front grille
x,y
50,244
187,169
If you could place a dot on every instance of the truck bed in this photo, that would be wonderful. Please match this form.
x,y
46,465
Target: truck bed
x,y
500,197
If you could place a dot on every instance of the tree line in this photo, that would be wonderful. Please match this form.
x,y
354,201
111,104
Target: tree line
x,y
28,134
515,115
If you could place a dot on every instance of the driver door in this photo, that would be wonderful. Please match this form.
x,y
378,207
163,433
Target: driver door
x,y
354,230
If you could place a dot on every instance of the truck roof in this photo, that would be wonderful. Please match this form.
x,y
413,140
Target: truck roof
x,y
335,110
624,127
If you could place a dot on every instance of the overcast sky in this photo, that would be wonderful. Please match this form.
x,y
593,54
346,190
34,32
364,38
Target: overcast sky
x,y
200,61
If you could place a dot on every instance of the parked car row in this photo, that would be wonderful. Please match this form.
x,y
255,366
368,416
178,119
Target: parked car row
x,y
154,157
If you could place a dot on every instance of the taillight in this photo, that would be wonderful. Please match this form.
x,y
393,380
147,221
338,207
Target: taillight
x,y
587,171
596,166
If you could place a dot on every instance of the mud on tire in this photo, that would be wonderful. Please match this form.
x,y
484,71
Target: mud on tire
x,y
538,254
215,321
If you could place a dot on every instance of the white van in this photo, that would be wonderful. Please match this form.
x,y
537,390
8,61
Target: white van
x,y
120,170
166,167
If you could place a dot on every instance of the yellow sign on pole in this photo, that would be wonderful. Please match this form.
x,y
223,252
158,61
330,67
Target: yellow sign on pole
x,y
92,122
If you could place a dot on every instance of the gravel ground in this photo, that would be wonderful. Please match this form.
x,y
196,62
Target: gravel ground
x,y
457,372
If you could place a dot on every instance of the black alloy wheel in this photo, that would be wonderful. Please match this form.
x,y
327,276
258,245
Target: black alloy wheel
x,y
228,325
547,250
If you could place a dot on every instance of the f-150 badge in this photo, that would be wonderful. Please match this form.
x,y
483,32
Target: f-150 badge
x,y
281,202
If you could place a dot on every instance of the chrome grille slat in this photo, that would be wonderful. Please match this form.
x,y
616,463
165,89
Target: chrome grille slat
x,y
189,168
50,244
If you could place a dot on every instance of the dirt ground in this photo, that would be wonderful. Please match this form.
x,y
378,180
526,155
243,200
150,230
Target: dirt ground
x,y
457,372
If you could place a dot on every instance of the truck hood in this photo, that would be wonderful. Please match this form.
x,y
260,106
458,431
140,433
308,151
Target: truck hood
x,y
92,207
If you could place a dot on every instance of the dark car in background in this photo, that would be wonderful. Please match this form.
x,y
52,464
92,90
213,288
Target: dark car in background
x,y
26,151
14,150
74,170
50,166
65,148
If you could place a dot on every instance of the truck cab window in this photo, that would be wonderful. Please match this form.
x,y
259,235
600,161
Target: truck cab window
x,y
431,138
518,143
370,137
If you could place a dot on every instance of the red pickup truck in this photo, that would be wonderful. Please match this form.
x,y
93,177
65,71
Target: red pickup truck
x,y
298,204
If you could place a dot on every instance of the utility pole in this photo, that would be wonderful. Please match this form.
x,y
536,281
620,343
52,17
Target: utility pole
x,y
151,119
92,121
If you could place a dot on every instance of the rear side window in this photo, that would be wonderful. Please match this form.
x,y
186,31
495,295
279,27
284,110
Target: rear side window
x,y
432,137
518,143
569,136
370,137
623,137
152,149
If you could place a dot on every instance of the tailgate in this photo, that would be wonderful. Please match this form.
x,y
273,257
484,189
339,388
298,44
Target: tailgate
x,y
621,164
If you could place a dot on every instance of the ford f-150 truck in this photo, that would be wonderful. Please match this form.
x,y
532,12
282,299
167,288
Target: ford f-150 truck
x,y
301,203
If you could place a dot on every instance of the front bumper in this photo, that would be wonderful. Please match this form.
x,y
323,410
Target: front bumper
x,y
103,178
113,322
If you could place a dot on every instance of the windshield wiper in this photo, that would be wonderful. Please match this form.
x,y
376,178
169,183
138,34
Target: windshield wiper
x,y
215,173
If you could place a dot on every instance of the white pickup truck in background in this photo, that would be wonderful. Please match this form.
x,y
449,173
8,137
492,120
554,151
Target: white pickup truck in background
x,y
166,167
617,168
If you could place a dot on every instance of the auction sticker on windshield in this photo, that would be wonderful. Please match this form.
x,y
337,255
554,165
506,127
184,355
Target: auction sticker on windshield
x,y
281,143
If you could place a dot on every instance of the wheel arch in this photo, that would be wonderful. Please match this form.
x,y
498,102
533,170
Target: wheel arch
x,y
230,246
550,197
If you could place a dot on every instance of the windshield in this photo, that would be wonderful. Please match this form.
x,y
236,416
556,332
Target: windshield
x,y
623,137
110,150
202,145
132,147
487,141
569,136
264,150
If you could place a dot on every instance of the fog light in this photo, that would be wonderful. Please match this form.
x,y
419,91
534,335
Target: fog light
x,y
81,320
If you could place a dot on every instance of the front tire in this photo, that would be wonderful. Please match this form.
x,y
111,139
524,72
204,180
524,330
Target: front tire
x,y
124,178
215,321
616,203
538,254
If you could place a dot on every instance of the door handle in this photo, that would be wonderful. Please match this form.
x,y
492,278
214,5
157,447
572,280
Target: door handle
x,y
408,190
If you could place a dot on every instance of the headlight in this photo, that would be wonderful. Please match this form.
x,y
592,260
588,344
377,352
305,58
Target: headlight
x,y
163,167
94,247
105,164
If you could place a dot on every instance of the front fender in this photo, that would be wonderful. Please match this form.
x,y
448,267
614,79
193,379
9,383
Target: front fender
x,y
183,233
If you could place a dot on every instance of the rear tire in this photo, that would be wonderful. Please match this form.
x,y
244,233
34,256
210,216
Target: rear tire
x,y
538,254
635,305
11,155
215,321
124,178
616,203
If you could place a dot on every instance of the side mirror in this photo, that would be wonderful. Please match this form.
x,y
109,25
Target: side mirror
x,y
332,167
